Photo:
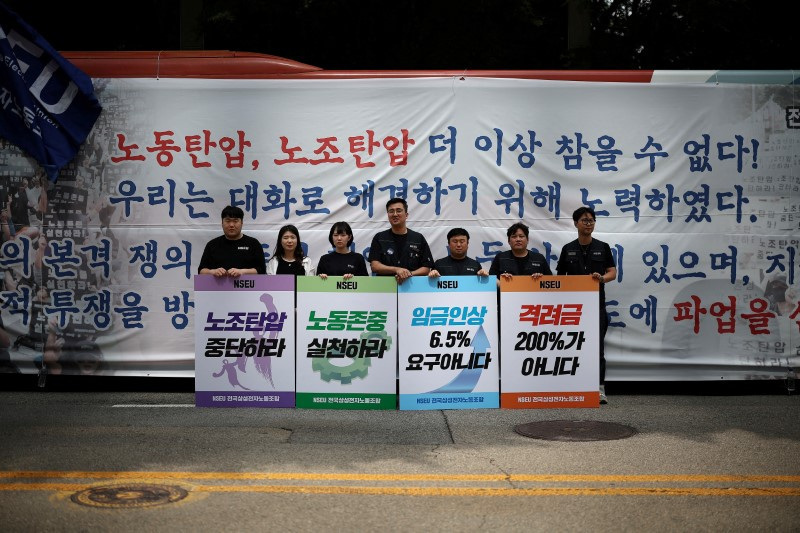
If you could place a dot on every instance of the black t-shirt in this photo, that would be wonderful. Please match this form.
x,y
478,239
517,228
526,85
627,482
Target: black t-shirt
x,y
391,251
507,262
336,264
295,268
245,252
448,266
399,240
577,259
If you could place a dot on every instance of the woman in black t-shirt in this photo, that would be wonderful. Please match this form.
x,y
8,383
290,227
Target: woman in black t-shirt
x,y
342,261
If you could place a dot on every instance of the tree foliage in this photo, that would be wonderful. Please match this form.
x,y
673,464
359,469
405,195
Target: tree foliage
x,y
441,34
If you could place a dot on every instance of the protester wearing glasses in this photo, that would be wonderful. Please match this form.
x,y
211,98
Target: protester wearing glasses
x,y
399,251
589,256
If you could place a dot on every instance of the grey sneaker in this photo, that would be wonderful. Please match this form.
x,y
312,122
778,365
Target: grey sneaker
x,y
603,399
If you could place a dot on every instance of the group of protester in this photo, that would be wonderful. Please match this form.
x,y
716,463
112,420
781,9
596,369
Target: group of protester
x,y
402,252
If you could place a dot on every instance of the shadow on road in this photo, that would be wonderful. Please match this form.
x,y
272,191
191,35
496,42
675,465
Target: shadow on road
x,y
29,382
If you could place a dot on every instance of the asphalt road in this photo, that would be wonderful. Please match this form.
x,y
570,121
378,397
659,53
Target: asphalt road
x,y
114,455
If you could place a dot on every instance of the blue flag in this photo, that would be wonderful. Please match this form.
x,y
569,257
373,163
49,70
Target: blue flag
x,y
47,105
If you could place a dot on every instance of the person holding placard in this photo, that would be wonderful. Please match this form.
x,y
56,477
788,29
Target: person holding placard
x,y
457,263
589,256
399,251
519,261
233,253
289,257
342,261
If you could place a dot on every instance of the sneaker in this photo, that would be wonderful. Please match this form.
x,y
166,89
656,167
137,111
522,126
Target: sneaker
x,y
603,399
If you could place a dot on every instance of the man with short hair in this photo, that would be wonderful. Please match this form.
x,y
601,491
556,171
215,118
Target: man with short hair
x,y
457,263
519,261
589,256
399,251
233,253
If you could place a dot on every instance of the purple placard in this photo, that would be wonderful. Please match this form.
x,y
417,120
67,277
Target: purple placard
x,y
251,282
270,299
243,399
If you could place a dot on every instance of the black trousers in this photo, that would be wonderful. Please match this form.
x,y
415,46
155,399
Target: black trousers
x,y
603,329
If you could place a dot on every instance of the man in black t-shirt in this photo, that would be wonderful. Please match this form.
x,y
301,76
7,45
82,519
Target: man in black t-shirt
x,y
457,263
589,256
519,261
399,251
233,253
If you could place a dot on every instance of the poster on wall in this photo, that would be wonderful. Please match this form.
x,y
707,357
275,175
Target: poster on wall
x,y
448,353
549,342
346,342
244,341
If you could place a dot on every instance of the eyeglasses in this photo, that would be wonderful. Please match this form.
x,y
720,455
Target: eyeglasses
x,y
396,211
587,222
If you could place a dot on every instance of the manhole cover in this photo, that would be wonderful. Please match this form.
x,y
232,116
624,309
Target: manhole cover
x,y
129,495
574,430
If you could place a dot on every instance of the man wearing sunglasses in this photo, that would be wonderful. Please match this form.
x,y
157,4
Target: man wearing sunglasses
x,y
589,256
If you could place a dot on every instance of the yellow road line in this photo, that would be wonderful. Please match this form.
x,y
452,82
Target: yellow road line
x,y
447,491
555,491
579,478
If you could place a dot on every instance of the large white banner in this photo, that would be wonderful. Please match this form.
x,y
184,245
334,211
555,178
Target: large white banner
x,y
695,186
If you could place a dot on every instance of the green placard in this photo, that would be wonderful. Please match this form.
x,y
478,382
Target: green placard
x,y
318,400
337,284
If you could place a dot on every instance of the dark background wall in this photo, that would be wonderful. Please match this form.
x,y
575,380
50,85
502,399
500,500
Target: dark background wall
x,y
440,34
